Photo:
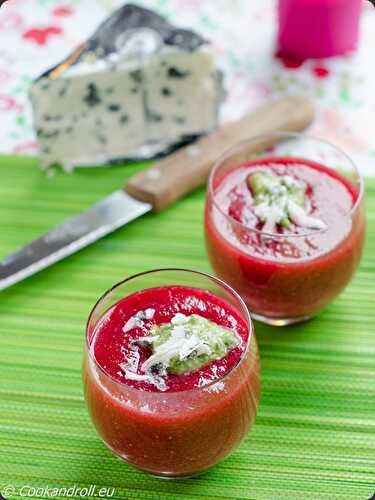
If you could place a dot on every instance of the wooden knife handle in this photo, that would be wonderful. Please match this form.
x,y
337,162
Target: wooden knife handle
x,y
181,172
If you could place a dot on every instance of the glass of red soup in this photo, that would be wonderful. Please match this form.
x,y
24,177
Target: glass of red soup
x,y
285,225
171,371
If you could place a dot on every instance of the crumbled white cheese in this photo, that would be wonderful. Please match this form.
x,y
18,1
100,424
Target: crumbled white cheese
x,y
137,320
145,340
149,313
138,377
188,335
278,199
192,302
181,341
203,381
270,214
147,377
166,351
201,305
130,324
300,218
133,361
232,320
192,344
179,319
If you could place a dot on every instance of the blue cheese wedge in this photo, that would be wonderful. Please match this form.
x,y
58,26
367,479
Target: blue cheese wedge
x,y
138,87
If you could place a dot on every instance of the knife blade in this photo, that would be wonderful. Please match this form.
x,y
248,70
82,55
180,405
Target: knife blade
x,y
155,188
74,234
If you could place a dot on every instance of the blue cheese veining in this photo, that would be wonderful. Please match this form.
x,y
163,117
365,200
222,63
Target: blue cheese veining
x,y
138,87
138,319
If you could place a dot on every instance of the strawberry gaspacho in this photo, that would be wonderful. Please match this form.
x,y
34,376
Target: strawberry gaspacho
x,y
171,371
285,230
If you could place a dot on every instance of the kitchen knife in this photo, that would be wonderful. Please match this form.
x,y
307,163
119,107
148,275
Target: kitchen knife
x,y
155,188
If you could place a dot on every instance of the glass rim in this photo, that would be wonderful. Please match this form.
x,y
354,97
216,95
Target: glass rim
x,y
214,279
284,135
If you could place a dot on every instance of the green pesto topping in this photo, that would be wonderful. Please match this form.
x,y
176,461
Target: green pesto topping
x,y
281,200
188,343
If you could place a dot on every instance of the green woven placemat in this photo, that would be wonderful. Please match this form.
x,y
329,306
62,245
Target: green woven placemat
x,y
315,433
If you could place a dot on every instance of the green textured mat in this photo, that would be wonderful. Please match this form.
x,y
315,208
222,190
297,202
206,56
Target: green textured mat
x,y
315,432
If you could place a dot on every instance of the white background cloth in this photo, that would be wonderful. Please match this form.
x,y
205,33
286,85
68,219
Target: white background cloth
x,y
35,34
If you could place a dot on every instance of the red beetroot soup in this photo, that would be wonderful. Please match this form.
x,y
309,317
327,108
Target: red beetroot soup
x,y
286,271
164,422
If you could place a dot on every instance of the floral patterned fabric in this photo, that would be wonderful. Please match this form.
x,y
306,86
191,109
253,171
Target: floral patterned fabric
x,y
35,34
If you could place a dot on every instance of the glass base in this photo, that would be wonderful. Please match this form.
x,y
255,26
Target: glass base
x,y
170,477
158,475
280,321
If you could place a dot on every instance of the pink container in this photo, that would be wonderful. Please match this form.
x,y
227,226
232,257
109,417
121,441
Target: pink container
x,y
318,28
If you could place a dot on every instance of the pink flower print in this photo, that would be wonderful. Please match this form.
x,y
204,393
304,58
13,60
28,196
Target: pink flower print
x,y
10,21
332,127
42,35
62,11
30,147
8,103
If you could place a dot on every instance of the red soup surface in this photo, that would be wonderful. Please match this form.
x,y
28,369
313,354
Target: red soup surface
x,y
199,416
293,272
